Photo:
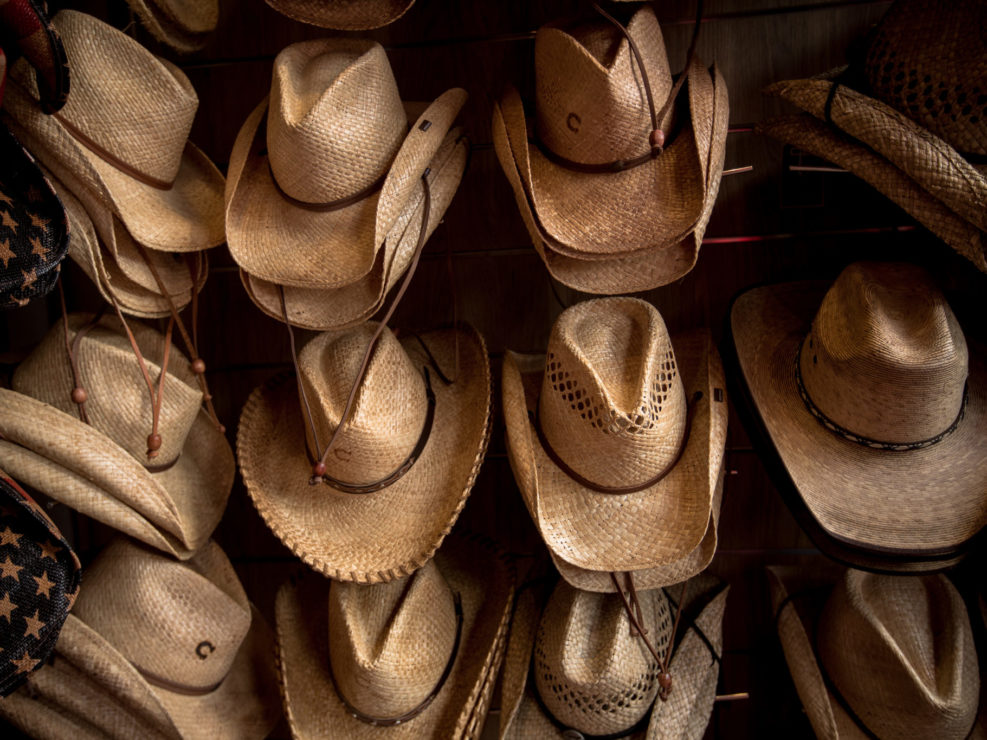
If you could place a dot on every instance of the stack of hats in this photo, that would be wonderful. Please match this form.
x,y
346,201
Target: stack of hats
x,y
120,147
617,175
616,437
910,117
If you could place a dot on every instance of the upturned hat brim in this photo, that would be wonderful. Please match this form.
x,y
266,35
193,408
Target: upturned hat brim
x,y
343,15
917,503
174,510
184,26
280,242
648,529
389,533
485,583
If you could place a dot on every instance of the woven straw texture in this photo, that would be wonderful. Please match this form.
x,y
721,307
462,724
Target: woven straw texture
x,y
872,498
928,60
389,533
472,568
344,15
921,155
899,650
345,307
690,705
647,529
99,469
184,25
334,104
815,137
139,108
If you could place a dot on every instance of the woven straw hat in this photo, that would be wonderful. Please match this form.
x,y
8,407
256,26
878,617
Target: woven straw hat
x,y
612,397
124,135
620,231
99,468
894,654
156,644
184,25
884,441
334,104
574,662
391,531
343,15
384,649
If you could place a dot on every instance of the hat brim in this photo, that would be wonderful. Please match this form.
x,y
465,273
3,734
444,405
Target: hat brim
x,y
389,533
485,583
917,503
339,308
187,217
343,16
174,510
912,148
647,529
815,137
283,243
175,26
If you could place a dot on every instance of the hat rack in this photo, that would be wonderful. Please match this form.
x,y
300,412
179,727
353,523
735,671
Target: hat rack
x,y
758,233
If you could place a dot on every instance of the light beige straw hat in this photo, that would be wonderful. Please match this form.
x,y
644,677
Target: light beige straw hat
x,y
343,15
575,664
157,648
892,654
101,468
635,221
404,464
425,649
616,424
184,25
343,218
123,134
877,407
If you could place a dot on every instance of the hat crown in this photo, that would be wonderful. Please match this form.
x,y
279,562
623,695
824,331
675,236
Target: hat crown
x,y
118,403
901,651
886,358
335,121
389,643
589,93
132,104
612,404
178,621
591,671
389,410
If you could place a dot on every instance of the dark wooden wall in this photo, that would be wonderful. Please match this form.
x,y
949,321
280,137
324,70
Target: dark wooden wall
x,y
768,224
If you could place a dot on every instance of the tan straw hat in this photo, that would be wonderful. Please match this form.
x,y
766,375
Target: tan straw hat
x,y
124,135
160,647
172,501
887,656
576,665
616,424
343,15
347,216
184,25
412,658
877,407
607,213
404,462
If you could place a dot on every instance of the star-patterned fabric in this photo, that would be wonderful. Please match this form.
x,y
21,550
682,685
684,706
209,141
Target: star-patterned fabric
x,y
39,580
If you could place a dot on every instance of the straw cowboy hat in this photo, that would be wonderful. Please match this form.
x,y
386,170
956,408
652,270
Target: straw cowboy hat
x,y
343,15
606,213
338,232
551,689
157,646
118,271
875,407
184,25
123,134
171,501
405,461
416,657
881,656
619,424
